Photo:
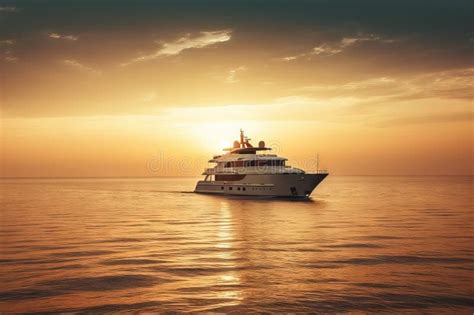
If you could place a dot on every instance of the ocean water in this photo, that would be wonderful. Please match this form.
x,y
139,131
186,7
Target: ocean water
x,y
363,244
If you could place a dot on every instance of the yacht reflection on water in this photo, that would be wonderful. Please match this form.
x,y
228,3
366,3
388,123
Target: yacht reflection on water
x,y
244,172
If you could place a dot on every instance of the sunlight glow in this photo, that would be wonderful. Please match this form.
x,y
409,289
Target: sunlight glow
x,y
214,137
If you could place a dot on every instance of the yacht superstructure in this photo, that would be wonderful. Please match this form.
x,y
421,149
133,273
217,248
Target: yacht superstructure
x,y
243,170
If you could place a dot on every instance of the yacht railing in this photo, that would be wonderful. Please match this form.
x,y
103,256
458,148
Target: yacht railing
x,y
242,170
221,170
319,172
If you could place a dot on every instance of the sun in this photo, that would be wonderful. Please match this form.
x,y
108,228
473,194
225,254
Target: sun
x,y
224,144
214,137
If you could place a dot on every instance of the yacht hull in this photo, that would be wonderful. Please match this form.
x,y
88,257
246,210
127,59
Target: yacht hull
x,y
269,185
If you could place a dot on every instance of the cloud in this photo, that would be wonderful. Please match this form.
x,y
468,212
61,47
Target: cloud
x,y
450,84
79,66
328,49
5,51
458,83
295,107
202,40
428,119
232,74
378,82
7,42
10,59
9,9
62,36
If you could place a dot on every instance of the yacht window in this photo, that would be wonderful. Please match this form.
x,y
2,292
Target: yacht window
x,y
230,188
250,163
234,164
270,163
230,177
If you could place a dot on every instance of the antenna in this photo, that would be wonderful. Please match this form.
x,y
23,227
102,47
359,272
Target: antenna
x,y
317,163
241,138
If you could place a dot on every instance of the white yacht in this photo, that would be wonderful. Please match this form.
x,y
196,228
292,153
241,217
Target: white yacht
x,y
245,171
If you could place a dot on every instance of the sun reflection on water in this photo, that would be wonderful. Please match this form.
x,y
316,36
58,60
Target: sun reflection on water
x,y
226,239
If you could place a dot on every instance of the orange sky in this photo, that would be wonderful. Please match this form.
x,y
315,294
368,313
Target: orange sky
x,y
155,89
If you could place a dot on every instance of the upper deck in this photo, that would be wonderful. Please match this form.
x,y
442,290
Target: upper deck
x,y
232,157
242,158
244,151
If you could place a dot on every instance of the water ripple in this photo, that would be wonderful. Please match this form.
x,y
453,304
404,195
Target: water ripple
x,y
362,244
